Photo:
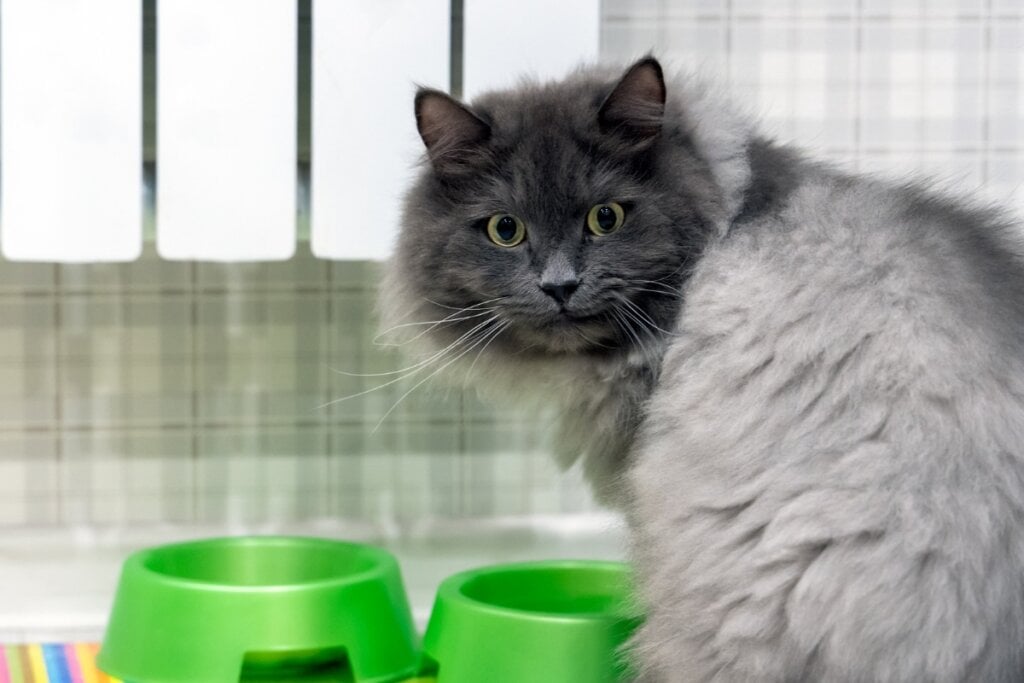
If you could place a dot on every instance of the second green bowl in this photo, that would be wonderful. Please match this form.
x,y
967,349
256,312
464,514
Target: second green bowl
x,y
555,621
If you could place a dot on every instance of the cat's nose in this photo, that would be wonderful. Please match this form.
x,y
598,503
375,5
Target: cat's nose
x,y
560,291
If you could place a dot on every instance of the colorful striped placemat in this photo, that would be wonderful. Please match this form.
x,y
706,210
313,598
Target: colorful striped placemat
x,y
51,663
76,663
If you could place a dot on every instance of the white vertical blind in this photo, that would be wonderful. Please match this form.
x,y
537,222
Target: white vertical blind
x,y
71,137
226,129
367,57
543,38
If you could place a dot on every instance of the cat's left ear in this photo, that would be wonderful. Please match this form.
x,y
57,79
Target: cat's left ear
x,y
636,107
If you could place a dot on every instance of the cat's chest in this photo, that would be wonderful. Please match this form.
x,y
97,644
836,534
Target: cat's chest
x,y
602,408
610,399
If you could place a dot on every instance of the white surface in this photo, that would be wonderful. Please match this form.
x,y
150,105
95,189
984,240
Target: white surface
x,y
71,79
506,40
368,56
57,585
226,129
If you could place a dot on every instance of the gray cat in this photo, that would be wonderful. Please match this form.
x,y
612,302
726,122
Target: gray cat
x,y
805,387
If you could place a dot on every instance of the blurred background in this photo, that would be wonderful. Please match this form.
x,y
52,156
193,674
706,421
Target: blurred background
x,y
172,350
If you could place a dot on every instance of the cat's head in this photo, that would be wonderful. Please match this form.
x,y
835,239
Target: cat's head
x,y
557,218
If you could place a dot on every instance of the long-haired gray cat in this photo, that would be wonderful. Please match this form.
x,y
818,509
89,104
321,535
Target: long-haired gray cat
x,y
805,387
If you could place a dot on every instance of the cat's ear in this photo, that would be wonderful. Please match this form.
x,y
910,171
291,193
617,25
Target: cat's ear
x,y
451,132
635,108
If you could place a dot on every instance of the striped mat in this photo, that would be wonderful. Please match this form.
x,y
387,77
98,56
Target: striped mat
x,y
76,663
51,663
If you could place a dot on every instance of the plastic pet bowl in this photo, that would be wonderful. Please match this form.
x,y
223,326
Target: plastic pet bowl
x,y
212,611
557,622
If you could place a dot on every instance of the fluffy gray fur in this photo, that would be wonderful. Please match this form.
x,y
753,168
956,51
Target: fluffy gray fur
x,y
814,417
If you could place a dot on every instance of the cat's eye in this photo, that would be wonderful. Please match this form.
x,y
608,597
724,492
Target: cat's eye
x,y
605,219
506,230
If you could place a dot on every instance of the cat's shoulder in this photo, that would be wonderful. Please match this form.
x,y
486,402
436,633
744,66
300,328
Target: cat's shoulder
x,y
835,228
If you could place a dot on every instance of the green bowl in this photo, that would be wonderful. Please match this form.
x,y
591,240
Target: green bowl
x,y
216,610
557,622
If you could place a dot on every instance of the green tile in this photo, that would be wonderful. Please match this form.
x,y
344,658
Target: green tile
x,y
439,439
28,395
92,277
361,441
160,326
258,475
302,271
128,477
17,277
93,327
28,330
151,273
94,392
355,275
427,399
196,393
28,464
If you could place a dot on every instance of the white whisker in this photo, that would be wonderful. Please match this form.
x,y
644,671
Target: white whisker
x,y
454,308
404,373
418,384
453,318
589,340
644,317
501,328
628,329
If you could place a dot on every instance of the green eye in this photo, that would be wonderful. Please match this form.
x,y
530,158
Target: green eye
x,y
506,230
605,219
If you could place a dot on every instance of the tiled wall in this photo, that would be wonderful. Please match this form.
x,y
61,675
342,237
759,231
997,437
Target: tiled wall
x,y
201,393
880,85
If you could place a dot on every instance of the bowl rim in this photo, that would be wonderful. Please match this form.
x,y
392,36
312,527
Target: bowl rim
x,y
450,590
380,561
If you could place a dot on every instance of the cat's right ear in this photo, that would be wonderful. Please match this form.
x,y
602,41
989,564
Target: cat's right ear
x,y
451,132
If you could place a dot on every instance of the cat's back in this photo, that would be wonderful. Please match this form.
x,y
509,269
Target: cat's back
x,y
845,255
839,435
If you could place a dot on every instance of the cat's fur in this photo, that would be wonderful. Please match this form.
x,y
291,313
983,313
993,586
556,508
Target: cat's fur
x,y
821,430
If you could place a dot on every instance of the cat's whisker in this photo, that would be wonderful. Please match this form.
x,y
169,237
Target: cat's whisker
x,y
434,324
501,328
590,341
673,295
370,390
645,318
417,323
678,269
470,312
465,308
480,338
660,285
626,327
525,349
405,373
425,361
639,332
644,327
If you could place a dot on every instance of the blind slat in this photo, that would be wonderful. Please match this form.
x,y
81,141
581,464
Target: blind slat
x,y
71,92
226,129
367,57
